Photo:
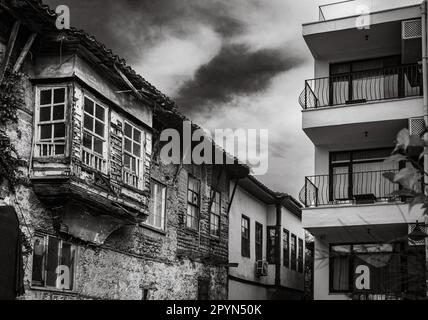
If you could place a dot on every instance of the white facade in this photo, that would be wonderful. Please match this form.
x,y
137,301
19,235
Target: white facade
x,y
257,204
366,87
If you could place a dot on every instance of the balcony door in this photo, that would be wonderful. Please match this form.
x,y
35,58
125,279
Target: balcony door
x,y
360,173
367,80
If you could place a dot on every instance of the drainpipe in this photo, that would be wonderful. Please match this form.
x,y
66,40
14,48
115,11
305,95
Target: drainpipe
x,y
425,90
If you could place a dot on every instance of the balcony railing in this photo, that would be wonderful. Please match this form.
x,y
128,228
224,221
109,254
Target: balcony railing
x,y
363,86
345,188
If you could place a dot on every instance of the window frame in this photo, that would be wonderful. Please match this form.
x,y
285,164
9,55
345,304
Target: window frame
x,y
286,252
164,217
38,123
258,245
293,252
191,204
216,215
104,140
300,255
139,161
46,238
245,241
271,259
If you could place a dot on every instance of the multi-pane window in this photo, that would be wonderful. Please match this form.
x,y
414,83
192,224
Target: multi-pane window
x,y
53,263
259,241
50,108
286,248
271,245
215,215
293,246
193,202
94,131
132,154
245,236
156,218
300,257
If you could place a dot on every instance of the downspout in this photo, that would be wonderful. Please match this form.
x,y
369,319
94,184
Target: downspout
x,y
425,92
278,206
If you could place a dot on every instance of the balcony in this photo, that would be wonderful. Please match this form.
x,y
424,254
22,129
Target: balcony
x,y
363,86
348,188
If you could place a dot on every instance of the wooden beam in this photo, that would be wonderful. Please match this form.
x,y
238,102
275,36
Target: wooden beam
x,y
9,49
24,52
138,94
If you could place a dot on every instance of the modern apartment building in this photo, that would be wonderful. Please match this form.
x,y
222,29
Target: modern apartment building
x,y
266,244
367,86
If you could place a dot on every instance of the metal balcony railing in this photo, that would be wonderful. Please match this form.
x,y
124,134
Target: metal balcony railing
x,y
363,86
345,188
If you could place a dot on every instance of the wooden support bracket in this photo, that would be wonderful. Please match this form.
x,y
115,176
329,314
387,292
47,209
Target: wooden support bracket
x,y
11,43
24,52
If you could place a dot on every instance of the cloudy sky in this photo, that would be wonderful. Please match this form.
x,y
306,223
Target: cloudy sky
x,y
227,63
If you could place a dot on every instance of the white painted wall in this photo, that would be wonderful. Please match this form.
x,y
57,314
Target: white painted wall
x,y
243,291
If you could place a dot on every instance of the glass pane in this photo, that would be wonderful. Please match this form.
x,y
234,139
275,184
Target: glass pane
x,y
46,131
89,106
38,262
52,261
340,274
46,96
99,128
128,145
100,113
59,95
87,141
137,135
88,122
127,161
59,130
45,114
128,130
137,150
59,149
98,145
133,164
58,112
67,259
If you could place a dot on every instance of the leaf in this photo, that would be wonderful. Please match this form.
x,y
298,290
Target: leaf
x,y
390,176
421,198
407,177
403,138
395,158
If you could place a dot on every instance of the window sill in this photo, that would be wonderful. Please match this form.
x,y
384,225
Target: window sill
x,y
160,231
53,290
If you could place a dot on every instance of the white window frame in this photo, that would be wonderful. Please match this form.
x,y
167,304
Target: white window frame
x,y
47,147
89,157
133,178
153,205
73,272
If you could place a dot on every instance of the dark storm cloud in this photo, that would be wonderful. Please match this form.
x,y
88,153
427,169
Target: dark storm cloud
x,y
234,71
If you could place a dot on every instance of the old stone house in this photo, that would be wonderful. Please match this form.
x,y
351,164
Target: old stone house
x,y
97,214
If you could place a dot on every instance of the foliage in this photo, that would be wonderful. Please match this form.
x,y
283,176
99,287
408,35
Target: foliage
x,y
410,149
11,98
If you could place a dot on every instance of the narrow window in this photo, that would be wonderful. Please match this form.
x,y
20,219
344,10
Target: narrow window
x,y
286,248
51,110
156,218
271,245
259,241
94,132
215,215
203,289
132,157
245,236
300,257
53,263
340,264
293,252
193,202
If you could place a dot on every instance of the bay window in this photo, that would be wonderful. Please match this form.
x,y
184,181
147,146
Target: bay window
x,y
50,118
94,134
